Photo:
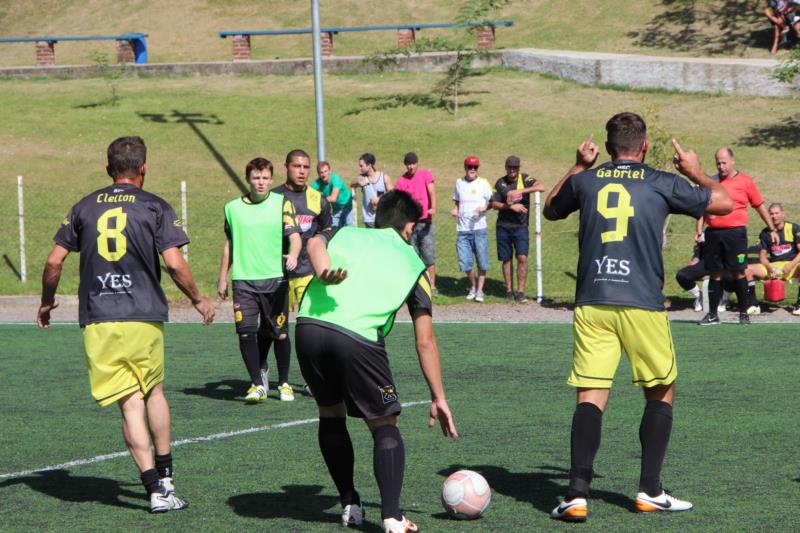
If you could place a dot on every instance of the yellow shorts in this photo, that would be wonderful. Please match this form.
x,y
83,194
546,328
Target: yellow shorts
x,y
297,287
123,357
600,331
777,264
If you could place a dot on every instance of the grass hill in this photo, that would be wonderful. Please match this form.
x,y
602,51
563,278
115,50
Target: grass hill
x,y
186,30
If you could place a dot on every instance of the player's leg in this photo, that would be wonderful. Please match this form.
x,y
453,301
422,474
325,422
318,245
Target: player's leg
x,y
521,245
713,262
504,255
735,261
464,258
482,258
687,278
427,250
246,311
388,464
136,432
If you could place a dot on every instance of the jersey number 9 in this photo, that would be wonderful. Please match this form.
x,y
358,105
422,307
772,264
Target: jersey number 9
x,y
106,234
621,213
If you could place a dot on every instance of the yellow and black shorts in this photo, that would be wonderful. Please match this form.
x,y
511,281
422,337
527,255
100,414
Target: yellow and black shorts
x,y
601,331
777,264
123,358
297,287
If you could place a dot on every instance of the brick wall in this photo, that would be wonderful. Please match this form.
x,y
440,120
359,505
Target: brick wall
x,y
125,52
405,38
45,53
326,43
485,36
241,47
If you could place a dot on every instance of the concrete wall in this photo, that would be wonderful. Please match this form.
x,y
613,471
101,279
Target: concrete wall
x,y
727,76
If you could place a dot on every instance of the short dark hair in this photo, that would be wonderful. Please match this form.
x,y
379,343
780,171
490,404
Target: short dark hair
x,y
126,156
296,153
396,209
259,163
368,158
410,159
323,164
626,133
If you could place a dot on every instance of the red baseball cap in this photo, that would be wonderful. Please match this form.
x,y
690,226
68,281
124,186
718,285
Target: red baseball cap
x,y
472,161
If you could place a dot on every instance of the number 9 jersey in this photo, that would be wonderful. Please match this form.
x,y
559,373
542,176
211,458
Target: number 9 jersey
x,y
623,206
119,231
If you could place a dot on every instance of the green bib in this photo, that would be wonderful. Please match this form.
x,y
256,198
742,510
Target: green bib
x,y
256,238
382,270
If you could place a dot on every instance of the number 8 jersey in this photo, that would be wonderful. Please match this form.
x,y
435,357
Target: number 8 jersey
x,y
623,206
119,231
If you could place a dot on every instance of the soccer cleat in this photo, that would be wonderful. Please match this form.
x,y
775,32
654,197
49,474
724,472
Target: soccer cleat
x,y
698,305
479,297
709,320
510,296
575,510
257,394
521,298
754,310
164,499
252,388
665,502
352,515
796,310
391,525
744,319
286,392
472,293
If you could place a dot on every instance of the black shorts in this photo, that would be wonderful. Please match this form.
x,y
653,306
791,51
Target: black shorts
x,y
725,249
339,368
272,307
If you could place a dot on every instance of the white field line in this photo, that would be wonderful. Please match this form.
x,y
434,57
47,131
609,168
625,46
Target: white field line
x,y
182,442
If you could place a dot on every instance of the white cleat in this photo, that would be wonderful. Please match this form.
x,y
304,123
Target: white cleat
x,y
256,394
164,498
286,392
665,502
575,510
352,515
390,525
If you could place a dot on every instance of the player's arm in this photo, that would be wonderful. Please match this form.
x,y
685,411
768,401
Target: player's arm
x,y
455,209
432,196
585,157
698,228
317,248
50,278
181,274
224,266
295,246
773,231
430,364
688,164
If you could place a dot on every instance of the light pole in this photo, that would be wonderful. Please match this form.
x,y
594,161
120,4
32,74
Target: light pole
x,y
318,90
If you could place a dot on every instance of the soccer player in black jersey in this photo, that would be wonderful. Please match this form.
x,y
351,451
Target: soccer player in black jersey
x,y
619,302
119,232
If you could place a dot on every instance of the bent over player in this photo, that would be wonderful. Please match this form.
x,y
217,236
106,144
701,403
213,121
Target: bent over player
x,y
119,231
619,302
344,316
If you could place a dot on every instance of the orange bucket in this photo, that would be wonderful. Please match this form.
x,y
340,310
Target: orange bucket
x,y
774,290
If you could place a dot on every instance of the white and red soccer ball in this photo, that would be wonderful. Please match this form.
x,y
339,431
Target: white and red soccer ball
x,y
466,495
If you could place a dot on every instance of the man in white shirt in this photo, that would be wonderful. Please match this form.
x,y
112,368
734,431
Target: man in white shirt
x,y
471,196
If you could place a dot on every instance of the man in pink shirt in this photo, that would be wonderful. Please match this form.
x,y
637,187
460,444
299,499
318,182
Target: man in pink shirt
x,y
419,183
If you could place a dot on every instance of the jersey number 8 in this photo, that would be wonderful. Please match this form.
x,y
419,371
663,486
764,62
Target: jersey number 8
x,y
621,213
106,234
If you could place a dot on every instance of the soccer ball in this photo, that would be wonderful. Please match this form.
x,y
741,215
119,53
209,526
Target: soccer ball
x,y
466,495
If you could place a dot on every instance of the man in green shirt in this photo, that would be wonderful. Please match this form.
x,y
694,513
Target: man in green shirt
x,y
344,317
338,194
255,227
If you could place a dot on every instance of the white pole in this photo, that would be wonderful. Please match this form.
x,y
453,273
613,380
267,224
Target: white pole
x,y
23,275
318,89
355,206
185,217
538,211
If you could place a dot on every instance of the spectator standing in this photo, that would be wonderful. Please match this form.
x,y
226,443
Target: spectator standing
x,y
472,195
512,199
419,183
776,260
119,231
726,236
337,193
373,185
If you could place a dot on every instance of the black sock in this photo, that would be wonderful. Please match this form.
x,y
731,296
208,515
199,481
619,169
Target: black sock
x,y
164,465
264,344
797,304
150,480
741,294
388,463
283,355
751,293
714,295
248,345
654,434
337,450
584,443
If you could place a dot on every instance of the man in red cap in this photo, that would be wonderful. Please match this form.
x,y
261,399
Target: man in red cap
x,y
471,196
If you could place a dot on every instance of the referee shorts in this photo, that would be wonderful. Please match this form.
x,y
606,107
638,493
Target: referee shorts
x,y
725,249
123,358
600,333
338,368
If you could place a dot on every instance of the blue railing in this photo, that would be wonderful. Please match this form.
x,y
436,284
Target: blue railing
x,y
138,40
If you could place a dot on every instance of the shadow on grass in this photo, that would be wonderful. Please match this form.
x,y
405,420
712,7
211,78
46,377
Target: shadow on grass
x,y
706,28
782,135
422,100
297,502
61,485
542,489
192,120
450,286
227,389
10,265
